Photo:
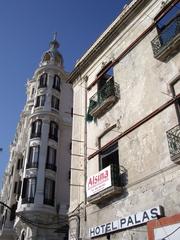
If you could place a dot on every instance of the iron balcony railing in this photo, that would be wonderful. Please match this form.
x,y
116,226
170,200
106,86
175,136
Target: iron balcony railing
x,y
49,201
51,166
173,137
36,134
166,35
27,200
109,89
32,165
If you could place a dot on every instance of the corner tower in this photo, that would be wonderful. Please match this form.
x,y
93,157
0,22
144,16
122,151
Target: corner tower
x,y
43,141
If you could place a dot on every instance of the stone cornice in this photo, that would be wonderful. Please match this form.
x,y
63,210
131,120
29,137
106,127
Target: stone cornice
x,y
106,38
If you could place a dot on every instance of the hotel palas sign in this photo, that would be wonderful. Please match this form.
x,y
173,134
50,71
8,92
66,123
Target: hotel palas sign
x,y
123,223
98,182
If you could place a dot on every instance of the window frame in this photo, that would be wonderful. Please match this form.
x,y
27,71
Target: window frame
x,y
33,157
55,102
49,191
53,131
42,81
40,100
36,129
51,158
57,82
28,186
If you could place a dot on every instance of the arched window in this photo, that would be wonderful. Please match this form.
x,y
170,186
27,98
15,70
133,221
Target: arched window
x,y
53,131
23,235
56,83
43,81
36,128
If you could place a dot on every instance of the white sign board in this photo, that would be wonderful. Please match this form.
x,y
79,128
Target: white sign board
x,y
126,222
98,182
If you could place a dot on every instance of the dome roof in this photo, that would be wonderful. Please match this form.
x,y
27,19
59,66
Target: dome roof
x,y
52,56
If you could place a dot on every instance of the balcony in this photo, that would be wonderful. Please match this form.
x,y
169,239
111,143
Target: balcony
x,y
51,167
103,99
104,188
27,200
167,42
32,165
53,137
36,135
49,202
173,137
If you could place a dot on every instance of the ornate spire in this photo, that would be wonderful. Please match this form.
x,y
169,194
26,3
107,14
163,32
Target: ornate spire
x,y
52,56
54,43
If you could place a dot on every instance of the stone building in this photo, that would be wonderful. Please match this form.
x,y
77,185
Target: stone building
x,y
36,181
126,135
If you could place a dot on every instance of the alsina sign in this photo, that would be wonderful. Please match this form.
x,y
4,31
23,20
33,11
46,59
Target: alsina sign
x,y
127,222
98,182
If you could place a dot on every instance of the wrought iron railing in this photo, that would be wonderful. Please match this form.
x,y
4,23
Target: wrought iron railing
x,y
51,166
36,134
27,200
166,35
32,165
49,201
109,89
173,137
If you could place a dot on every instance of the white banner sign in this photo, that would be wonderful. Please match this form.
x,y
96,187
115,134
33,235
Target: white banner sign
x,y
127,222
99,181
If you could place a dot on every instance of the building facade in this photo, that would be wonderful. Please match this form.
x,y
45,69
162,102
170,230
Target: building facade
x,y
126,134
36,182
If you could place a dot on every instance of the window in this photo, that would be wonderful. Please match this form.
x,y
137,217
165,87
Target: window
x,y
56,82
43,81
40,101
109,156
36,129
51,158
29,190
33,157
55,102
166,43
23,234
32,92
19,189
15,187
49,191
19,163
53,131
106,96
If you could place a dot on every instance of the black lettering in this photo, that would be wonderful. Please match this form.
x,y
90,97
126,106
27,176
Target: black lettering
x,y
136,221
122,222
108,227
130,221
145,217
114,227
103,228
97,230
154,213
92,231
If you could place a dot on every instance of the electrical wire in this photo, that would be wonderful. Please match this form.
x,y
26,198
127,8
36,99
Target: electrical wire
x,y
167,236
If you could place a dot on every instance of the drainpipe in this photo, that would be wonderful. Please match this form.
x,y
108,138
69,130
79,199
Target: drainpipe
x,y
85,148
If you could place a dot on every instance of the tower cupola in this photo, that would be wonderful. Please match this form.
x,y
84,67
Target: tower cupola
x,y
52,56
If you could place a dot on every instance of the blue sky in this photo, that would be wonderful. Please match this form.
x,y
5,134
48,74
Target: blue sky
x,y
26,28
